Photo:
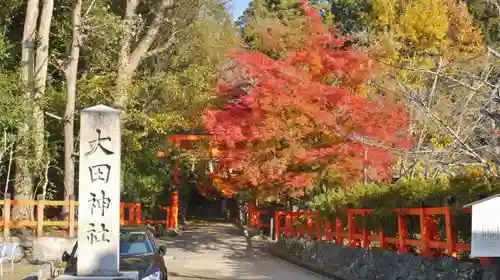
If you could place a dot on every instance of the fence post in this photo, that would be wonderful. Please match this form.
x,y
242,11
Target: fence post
x,y
424,233
451,235
6,215
277,225
288,224
131,213
319,234
252,213
309,228
167,214
293,228
339,229
366,242
39,215
71,219
351,228
138,214
402,233
382,241
328,229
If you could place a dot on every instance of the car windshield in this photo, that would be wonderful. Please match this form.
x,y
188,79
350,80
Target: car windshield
x,y
135,243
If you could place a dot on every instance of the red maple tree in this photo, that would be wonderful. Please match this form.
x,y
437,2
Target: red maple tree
x,y
308,113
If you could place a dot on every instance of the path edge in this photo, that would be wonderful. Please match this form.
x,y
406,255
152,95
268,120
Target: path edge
x,y
296,261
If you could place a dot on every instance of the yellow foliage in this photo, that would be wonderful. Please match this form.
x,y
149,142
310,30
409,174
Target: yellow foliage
x,y
441,142
475,171
387,47
385,12
419,34
423,27
425,24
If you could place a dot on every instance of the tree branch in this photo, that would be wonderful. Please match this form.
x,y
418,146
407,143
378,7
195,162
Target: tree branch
x,y
441,123
494,52
147,40
496,4
170,42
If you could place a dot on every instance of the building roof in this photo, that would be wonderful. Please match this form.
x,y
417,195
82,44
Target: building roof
x,y
482,200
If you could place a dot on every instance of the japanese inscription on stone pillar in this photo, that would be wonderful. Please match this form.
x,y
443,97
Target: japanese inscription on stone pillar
x,y
99,192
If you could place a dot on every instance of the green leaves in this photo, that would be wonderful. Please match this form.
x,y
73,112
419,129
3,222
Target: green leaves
x,y
350,15
11,101
406,193
169,90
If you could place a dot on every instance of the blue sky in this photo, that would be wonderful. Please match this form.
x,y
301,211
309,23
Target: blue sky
x,y
238,6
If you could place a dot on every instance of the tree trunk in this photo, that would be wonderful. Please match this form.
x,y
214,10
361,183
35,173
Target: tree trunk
x,y
41,65
123,79
70,74
23,176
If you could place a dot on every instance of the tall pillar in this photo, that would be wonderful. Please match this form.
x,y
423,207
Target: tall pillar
x,y
174,210
252,213
174,198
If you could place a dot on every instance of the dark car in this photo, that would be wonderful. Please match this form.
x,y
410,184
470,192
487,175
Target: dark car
x,y
138,252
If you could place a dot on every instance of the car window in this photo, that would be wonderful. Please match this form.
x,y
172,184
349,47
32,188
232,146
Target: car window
x,y
135,243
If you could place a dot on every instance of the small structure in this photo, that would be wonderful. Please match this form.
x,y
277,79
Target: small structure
x,y
485,234
99,196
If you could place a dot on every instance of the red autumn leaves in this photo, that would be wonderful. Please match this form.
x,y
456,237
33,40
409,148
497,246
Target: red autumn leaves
x,y
301,116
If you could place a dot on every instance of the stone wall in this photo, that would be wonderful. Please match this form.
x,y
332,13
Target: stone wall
x,y
41,249
345,263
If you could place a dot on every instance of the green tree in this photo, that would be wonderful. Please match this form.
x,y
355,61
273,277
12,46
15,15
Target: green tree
x,y
487,15
167,89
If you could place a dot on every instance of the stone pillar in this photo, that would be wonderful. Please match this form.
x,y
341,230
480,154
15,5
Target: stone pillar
x,y
99,192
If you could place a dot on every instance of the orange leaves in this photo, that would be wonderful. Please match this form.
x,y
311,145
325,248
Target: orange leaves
x,y
327,57
296,124
224,187
315,63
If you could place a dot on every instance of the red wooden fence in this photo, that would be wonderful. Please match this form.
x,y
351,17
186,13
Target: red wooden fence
x,y
133,211
319,228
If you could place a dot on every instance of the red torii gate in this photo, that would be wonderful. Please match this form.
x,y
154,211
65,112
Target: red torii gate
x,y
184,141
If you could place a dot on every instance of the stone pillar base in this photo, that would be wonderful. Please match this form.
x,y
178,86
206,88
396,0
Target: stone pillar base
x,y
127,275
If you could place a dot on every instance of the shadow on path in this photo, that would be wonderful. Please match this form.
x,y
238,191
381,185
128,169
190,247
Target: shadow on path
x,y
221,251
206,236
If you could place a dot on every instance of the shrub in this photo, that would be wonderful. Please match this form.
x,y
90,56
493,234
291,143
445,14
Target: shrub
x,y
407,194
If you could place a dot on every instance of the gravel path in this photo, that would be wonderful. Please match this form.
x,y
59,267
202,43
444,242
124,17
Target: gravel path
x,y
217,251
